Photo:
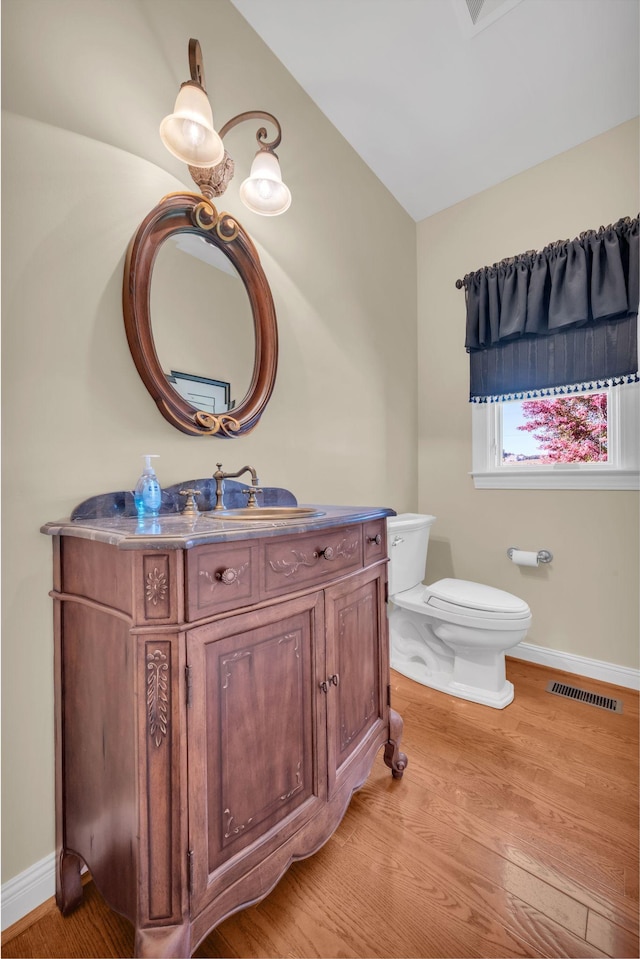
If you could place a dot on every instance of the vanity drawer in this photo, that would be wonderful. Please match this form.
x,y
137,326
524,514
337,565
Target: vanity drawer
x,y
314,558
374,536
221,577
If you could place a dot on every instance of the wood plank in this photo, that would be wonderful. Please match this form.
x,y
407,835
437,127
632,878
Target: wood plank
x,y
93,931
414,806
611,939
437,880
491,788
382,919
520,761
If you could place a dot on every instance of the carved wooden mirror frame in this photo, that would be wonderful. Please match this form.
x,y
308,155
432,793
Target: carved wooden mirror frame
x,y
194,213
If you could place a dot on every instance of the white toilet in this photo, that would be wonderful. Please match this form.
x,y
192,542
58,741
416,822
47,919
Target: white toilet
x,y
452,635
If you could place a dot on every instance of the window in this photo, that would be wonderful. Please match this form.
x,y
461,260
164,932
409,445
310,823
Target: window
x,y
567,314
558,429
570,441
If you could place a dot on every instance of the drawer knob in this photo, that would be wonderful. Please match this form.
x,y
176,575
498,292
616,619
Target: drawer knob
x,y
228,576
377,539
334,680
328,552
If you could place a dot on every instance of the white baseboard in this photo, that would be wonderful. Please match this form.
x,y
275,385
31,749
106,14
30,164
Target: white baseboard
x,y
581,665
37,883
28,890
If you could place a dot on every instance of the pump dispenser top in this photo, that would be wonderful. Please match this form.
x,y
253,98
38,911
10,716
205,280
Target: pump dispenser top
x,y
148,495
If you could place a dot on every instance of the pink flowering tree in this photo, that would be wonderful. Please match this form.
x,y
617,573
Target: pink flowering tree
x,y
569,429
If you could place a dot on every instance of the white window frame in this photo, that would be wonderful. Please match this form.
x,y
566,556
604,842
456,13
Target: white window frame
x,y
621,472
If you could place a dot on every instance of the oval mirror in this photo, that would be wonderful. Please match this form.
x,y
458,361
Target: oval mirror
x,y
207,356
200,318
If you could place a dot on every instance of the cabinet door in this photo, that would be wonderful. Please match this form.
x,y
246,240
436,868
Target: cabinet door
x,y
255,724
356,629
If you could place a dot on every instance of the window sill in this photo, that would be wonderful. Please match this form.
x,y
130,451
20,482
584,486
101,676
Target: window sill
x,y
570,478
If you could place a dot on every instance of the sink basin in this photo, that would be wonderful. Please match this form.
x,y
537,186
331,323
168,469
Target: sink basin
x,y
266,514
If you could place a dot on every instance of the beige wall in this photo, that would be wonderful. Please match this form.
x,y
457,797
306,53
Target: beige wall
x,y
85,84
586,601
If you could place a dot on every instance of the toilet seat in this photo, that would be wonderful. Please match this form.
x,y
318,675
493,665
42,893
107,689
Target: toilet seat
x,y
467,604
451,594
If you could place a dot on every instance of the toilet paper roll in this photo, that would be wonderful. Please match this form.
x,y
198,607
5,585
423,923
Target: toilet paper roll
x,y
523,557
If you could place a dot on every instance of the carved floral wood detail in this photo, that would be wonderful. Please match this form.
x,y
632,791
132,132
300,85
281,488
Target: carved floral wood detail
x,y
297,786
292,567
156,586
228,661
345,549
292,637
236,829
157,695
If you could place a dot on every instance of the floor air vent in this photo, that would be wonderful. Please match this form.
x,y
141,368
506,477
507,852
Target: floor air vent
x,y
583,696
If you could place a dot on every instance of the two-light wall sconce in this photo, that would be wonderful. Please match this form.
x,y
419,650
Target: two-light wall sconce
x,y
188,134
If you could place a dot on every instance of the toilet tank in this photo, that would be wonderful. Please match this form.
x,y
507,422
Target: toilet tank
x,y
407,542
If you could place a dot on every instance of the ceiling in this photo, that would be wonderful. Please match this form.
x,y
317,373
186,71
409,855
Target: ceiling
x,y
440,108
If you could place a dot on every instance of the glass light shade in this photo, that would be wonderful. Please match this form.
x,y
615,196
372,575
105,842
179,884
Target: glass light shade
x,y
188,132
263,191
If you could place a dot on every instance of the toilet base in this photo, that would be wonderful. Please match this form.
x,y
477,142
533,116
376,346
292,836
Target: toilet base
x,y
444,682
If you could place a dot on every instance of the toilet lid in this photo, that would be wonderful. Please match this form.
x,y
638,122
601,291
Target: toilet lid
x,y
461,592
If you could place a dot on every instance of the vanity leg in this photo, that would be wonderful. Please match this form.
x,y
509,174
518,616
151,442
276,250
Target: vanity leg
x,y
395,759
68,882
163,942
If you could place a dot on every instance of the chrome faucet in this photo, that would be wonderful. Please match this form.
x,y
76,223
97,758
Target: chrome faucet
x,y
219,477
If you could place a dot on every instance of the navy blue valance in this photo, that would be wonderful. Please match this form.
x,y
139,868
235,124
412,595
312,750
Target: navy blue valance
x,y
564,315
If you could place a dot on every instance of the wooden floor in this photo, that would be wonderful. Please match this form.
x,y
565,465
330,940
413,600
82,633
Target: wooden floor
x,y
513,833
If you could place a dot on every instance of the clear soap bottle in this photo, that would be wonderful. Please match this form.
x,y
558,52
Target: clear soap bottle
x,y
148,495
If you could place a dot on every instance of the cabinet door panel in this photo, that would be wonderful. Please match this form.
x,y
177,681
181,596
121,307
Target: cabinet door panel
x,y
253,771
356,630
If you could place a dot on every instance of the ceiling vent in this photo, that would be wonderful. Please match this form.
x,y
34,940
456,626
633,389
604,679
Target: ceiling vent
x,y
474,15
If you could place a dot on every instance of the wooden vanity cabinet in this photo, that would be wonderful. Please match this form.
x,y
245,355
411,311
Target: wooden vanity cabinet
x,y
216,708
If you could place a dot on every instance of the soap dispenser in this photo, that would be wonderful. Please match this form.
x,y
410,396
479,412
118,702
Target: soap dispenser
x,y
148,495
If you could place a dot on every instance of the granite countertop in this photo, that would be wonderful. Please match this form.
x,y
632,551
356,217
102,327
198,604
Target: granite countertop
x,y
175,531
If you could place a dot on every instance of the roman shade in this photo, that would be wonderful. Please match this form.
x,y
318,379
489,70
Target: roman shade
x,y
559,320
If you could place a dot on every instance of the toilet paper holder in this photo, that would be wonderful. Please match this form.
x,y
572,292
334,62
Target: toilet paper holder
x,y
544,555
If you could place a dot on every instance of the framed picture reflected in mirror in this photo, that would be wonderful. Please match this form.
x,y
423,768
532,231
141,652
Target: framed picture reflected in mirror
x,y
210,396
